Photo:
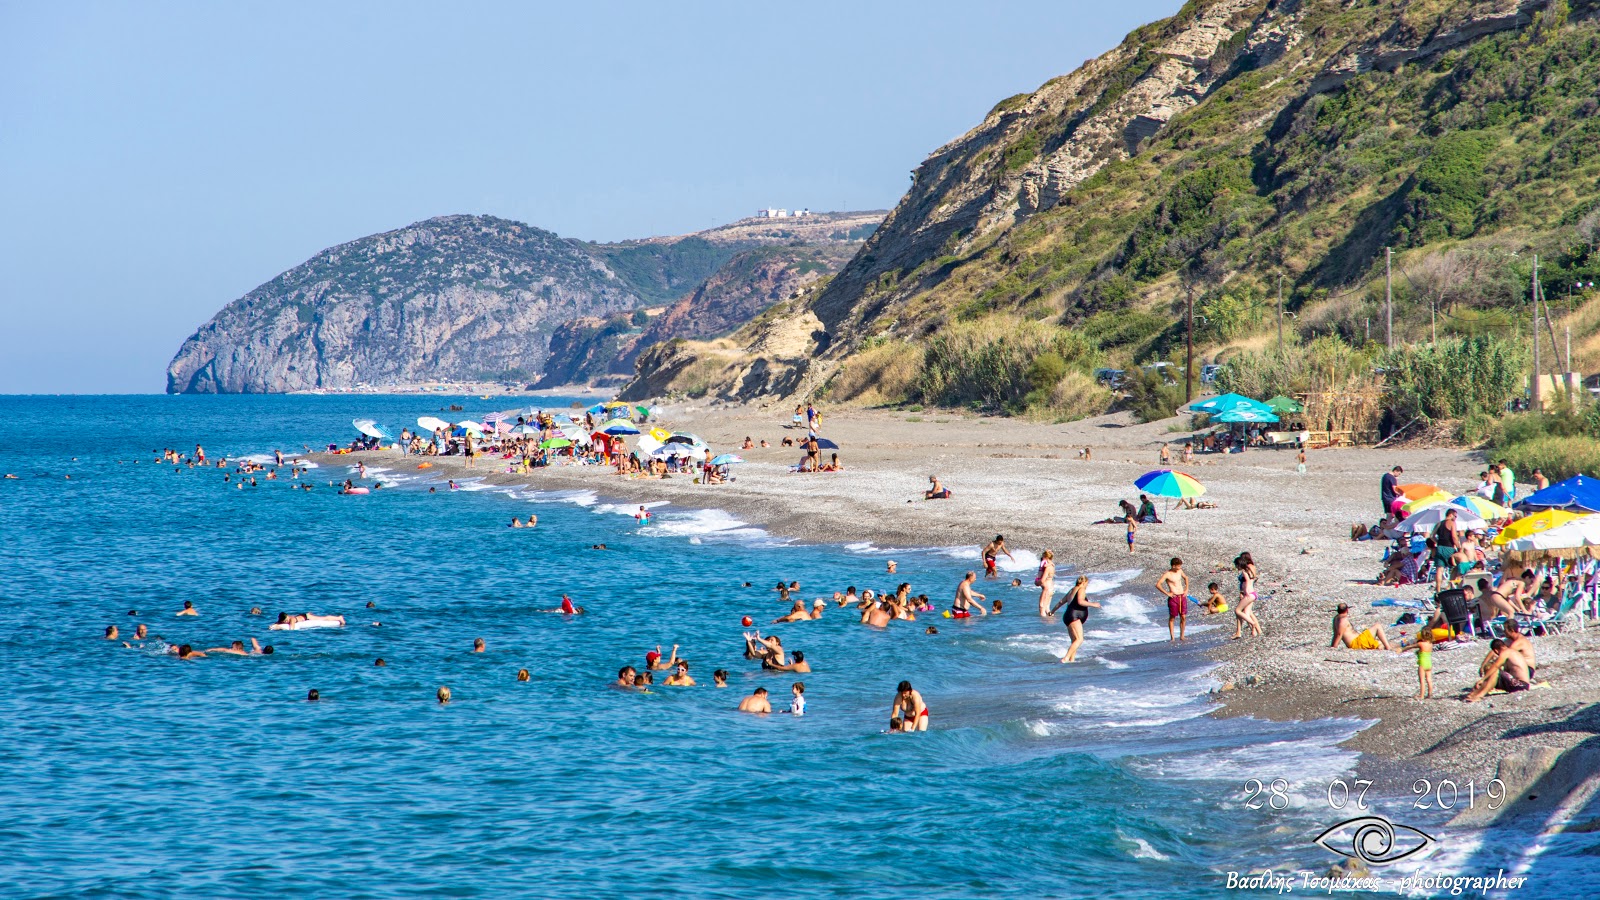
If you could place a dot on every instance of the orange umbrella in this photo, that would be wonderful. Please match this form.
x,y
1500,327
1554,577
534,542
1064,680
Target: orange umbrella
x,y
1418,490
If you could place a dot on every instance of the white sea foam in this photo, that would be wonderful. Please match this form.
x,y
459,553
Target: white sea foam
x,y
1126,608
1141,848
1118,708
702,523
1308,763
1100,582
1020,561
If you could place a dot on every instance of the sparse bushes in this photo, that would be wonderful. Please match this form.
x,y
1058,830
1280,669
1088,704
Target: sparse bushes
x,y
1556,456
1150,397
1326,363
1000,363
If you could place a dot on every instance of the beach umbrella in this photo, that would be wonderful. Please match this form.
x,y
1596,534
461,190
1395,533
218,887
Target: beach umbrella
x,y
1228,402
681,437
1534,524
370,429
597,409
524,429
648,444
619,426
431,424
1484,507
1429,519
1244,415
1437,498
1581,532
643,411
495,418
1169,483
613,404
1281,404
666,450
1417,490
660,434
727,458
825,444
554,443
1578,494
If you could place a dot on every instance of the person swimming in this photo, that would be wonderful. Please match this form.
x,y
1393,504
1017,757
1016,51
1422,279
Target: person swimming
x,y
756,703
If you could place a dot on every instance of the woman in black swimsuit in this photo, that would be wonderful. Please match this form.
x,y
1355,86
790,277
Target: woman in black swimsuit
x,y
1077,603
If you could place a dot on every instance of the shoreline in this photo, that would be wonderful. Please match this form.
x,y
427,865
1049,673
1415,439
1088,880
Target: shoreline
x,y
1021,479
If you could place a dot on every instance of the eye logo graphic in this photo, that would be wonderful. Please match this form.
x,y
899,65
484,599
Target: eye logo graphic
x,y
1374,840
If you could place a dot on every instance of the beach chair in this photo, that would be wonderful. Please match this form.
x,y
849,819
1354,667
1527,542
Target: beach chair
x,y
1456,611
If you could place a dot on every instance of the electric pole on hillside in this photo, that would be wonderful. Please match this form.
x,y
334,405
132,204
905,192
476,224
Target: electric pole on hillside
x,y
1188,340
1388,297
1280,312
1534,394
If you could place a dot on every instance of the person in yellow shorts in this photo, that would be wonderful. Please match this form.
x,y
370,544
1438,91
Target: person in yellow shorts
x,y
1215,603
1346,633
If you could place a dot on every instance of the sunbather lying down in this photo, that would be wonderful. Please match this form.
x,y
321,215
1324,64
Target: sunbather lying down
x,y
1192,503
1344,632
287,622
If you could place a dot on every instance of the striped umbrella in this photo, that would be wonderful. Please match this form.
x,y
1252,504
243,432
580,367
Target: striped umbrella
x,y
1437,498
1482,506
1169,483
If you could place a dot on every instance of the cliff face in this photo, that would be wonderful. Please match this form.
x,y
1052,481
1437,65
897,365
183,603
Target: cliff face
x,y
453,297
480,298
1238,141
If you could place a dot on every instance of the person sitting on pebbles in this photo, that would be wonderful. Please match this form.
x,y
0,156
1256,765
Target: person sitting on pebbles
x,y
1344,632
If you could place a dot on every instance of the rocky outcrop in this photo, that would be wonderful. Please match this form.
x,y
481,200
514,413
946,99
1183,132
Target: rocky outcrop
x,y
457,297
472,298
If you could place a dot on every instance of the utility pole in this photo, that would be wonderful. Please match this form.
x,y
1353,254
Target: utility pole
x,y
1280,312
1388,297
1188,358
1533,392
1433,315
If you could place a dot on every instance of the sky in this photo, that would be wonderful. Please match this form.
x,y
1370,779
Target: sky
x,y
158,160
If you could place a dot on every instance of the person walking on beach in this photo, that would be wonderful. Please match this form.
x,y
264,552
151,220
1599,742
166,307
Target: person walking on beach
x,y
1424,647
1077,603
1046,581
1174,585
1133,527
1389,488
991,555
1244,613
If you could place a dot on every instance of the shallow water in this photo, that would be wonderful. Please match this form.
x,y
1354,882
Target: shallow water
x,y
132,774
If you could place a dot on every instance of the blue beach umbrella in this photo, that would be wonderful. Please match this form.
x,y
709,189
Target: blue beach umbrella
x,y
1223,403
1576,494
726,459
1244,415
618,426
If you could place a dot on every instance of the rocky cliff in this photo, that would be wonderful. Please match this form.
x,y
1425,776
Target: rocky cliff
x,y
479,298
1234,143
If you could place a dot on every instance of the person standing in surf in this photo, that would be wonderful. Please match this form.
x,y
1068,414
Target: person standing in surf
x,y
1046,581
1174,585
991,555
1077,603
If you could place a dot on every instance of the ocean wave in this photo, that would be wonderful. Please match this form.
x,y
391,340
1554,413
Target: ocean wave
x,y
1100,582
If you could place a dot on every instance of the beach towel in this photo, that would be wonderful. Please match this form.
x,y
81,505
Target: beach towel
x,y
1407,603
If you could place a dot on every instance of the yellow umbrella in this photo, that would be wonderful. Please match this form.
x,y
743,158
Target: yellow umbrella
x,y
1433,499
660,434
1528,525
1488,509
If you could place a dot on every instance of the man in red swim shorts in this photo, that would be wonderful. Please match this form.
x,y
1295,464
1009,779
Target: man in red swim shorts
x,y
1174,585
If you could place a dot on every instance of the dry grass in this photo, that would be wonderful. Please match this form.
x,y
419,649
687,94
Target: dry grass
x,y
880,376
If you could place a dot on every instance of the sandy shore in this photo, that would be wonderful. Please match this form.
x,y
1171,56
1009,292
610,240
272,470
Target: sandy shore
x,y
1026,481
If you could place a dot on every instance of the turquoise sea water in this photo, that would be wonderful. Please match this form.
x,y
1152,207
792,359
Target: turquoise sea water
x,y
132,774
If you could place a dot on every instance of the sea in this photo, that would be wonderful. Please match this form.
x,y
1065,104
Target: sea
x,y
132,774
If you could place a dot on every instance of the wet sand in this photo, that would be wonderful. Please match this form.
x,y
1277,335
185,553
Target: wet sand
x,y
1026,481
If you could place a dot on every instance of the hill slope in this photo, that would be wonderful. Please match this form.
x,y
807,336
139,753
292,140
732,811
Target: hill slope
x,y
478,298
1225,147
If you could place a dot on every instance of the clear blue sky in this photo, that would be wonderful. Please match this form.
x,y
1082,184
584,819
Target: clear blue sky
x,y
158,160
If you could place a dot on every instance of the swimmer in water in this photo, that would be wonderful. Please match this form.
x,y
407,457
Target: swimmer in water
x,y
891,566
680,676
799,665
184,651
909,708
756,703
522,675
515,523
111,632
443,695
567,608
643,515
313,695
797,706
797,613
967,599
477,646
626,677
719,678
236,649
653,660
188,609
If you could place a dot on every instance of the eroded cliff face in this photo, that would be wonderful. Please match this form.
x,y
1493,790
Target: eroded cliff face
x,y
453,297
1046,194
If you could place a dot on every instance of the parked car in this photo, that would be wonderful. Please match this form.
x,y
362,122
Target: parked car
x,y
1111,378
